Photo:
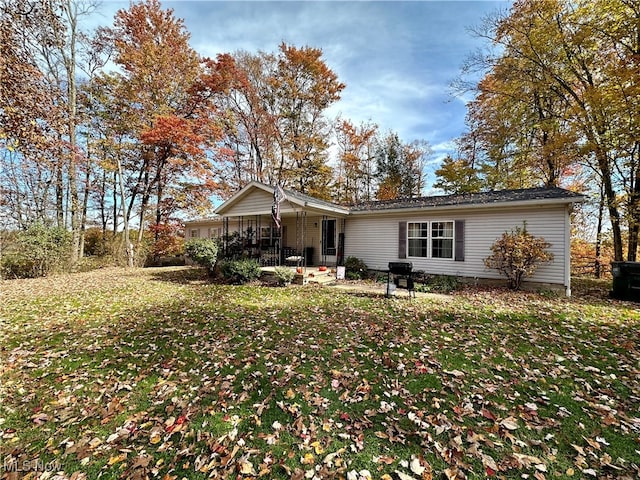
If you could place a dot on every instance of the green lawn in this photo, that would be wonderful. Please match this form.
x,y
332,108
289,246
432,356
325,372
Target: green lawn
x,y
157,373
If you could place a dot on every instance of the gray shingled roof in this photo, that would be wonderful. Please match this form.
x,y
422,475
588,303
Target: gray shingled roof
x,y
304,198
483,198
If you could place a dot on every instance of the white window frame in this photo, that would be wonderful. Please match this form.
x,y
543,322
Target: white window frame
x,y
194,233
430,239
419,238
452,238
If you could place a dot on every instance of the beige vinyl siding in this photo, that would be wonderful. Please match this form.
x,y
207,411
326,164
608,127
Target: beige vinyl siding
x,y
374,239
256,201
206,228
312,237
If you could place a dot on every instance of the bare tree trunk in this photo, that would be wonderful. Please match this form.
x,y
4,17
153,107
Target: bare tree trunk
x,y
611,201
156,236
85,200
115,200
634,206
127,241
59,195
69,56
598,259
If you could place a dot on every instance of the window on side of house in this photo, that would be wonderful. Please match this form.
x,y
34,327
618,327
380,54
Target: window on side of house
x,y
194,233
430,239
269,235
265,236
329,237
418,239
442,239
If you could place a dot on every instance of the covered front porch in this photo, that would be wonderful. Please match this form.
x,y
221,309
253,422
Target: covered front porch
x,y
301,232
302,240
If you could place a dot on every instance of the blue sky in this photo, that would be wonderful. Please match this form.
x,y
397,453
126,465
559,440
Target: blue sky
x,y
396,58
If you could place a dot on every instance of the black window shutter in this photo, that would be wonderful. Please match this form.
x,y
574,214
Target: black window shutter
x,y
402,240
459,252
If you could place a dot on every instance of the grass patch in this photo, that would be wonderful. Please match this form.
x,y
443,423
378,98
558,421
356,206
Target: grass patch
x,y
156,372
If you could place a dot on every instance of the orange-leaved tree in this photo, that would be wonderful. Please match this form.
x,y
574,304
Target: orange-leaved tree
x,y
170,94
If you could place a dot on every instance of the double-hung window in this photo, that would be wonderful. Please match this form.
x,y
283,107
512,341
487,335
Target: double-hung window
x,y
442,239
269,236
418,239
430,239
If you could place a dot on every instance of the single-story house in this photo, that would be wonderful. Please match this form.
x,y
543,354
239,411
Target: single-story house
x,y
441,235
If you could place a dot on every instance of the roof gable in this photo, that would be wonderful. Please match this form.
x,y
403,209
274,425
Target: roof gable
x,y
257,198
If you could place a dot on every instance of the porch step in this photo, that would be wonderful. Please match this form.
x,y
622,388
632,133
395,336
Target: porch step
x,y
315,276
322,278
311,275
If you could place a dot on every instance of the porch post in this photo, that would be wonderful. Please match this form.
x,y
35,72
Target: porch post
x,y
225,236
278,245
303,250
323,240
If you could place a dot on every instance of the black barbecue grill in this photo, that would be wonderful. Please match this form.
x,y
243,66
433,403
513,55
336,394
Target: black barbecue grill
x,y
401,275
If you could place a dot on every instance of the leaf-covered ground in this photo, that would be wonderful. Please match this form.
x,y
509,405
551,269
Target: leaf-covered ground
x,y
156,373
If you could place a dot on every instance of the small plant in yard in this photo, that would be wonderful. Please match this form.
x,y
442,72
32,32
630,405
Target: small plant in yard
x,y
355,269
284,275
439,283
203,251
517,254
239,271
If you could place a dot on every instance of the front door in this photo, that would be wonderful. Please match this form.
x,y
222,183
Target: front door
x,y
329,241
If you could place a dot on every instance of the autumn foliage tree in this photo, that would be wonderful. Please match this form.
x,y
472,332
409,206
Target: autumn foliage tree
x,y
44,52
169,94
457,176
561,91
249,124
354,176
274,123
27,124
400,167
305,86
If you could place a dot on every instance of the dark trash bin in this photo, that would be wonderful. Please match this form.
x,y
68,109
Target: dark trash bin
x,y
626,281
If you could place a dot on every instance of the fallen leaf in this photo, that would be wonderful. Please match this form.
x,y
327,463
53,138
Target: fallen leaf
x,y
509,423
246,467
404,476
